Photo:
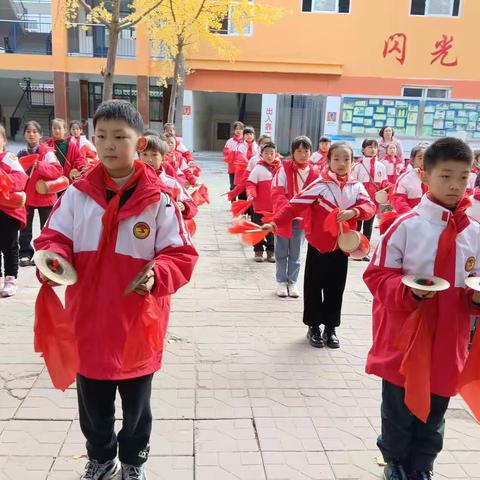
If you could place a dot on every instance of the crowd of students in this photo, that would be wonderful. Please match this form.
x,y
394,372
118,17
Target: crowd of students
x,y
420,203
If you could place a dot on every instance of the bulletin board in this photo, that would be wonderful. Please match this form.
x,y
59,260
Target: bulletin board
x,y
365,116
441,118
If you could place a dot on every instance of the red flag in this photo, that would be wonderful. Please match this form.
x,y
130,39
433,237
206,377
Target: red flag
x,y
267,217
200,195
28,160
191,226
242,227
239,207
54,338
331,225
6,184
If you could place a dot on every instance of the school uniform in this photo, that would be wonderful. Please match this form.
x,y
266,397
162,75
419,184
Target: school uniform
x,y
87,148
319,159
420,242
259,187
383,146
109,234
183,150
246,151
326,265
11,219
68,154
182,171
230,151
472,179
474,210
288,182
393,166
373,175
48,168
240,181
408,191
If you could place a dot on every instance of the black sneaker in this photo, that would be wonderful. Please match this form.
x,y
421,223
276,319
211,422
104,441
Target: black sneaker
x,y
101,471
330,338
314,336
421,475
366,259
394,471
24,262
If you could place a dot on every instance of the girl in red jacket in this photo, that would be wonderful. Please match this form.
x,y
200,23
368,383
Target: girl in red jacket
x,y
177,161
230,150
259,191
326,265
68,154
293,176
12,179
110,224
47,167
394,165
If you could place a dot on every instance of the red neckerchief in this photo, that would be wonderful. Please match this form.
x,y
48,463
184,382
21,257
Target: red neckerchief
x,y
77,141
249,150
296,168
340,181
109,218
271,167
237,139
372,167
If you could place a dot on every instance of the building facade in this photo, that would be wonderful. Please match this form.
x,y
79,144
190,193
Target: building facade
x,y
342,67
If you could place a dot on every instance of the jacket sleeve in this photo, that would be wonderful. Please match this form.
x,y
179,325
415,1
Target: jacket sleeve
x,y
383,276
12,167
175,255
57,234
187,172
191,208
400,197
239,187
252,185
364,206
279,190
49,167
78,159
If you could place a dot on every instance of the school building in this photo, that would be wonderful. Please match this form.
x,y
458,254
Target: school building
x,y
340,67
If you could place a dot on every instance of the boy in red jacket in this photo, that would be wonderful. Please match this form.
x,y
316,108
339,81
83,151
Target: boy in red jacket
x,y
110,224
420,339
259,191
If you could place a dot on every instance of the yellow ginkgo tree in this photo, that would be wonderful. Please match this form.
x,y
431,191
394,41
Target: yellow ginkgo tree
x,y
109,13
179,27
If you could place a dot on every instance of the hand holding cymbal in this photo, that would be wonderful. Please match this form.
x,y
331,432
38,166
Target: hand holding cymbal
x,y
425,286
54,269
143,281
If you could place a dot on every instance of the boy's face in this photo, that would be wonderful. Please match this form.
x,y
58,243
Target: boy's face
x,y
302,154
116,144
325,146
32,136
268,155
417,161
152,158
447,181
172,143
58,130
75,131
238,132
370,151
341,161
249,137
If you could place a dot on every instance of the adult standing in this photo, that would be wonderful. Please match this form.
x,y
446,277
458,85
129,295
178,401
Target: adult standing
x,y
386,137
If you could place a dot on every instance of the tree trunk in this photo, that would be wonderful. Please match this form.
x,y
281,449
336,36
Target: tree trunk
x,y
174,90
109,71
175,108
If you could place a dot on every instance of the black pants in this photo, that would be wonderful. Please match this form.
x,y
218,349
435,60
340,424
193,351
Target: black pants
x,y
26,249
405,438
323,286
96,404
367,226
9,228
268,243
231,178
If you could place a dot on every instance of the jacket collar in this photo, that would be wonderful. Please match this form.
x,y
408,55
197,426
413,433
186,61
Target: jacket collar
x,y
433,212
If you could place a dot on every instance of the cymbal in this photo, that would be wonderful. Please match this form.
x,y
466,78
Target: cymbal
x,y
55,267
139,278
473,283
427,283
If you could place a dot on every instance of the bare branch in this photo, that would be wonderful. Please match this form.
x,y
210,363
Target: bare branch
x,y
85,5
173,11
200,10
130,23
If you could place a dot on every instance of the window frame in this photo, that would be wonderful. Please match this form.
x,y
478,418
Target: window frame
x,y
328,12
229,31
437,15
425,89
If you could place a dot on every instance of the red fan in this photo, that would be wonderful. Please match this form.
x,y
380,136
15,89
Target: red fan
x,y
267,217
191,226
200,195
54,338
239,207
250,233
196,170
28,160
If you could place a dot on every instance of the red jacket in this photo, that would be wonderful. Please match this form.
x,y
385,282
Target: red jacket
x,y
321,197
182,171
11,166
287,183
230,152
74,159
183,150
48,168
179,194
259,186
410,246
408,191
149,227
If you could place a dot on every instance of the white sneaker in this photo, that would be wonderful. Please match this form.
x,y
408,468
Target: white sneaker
x,y
2,283
282,290
131,472
101,471
10,287
293,291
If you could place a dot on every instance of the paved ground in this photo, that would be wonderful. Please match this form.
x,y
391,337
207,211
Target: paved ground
x,y
241,394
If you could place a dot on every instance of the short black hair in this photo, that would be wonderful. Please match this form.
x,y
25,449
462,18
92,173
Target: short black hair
x,y
156,144
382,131
248,130
238,124
447,149
369,142
119,110
33,124
301,141
325,139
268,145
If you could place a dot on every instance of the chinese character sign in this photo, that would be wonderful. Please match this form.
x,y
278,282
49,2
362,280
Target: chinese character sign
x,y
269,113
442,50
396,44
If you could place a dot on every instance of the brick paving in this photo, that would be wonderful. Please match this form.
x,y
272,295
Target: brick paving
x,y
241,394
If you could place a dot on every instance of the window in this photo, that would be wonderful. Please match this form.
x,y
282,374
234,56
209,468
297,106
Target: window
x,y
426,92
435,8
37,22
228,28
332,6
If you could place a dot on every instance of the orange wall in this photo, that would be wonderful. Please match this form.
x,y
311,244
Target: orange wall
x,y
310,53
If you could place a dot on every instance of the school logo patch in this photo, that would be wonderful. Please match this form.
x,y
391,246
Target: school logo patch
x,y
141,230
470,264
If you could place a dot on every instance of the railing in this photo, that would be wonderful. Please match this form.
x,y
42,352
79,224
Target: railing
x,y
91,40
39,94
22,36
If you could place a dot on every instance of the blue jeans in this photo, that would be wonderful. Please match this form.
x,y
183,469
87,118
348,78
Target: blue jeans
x,y
287,254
